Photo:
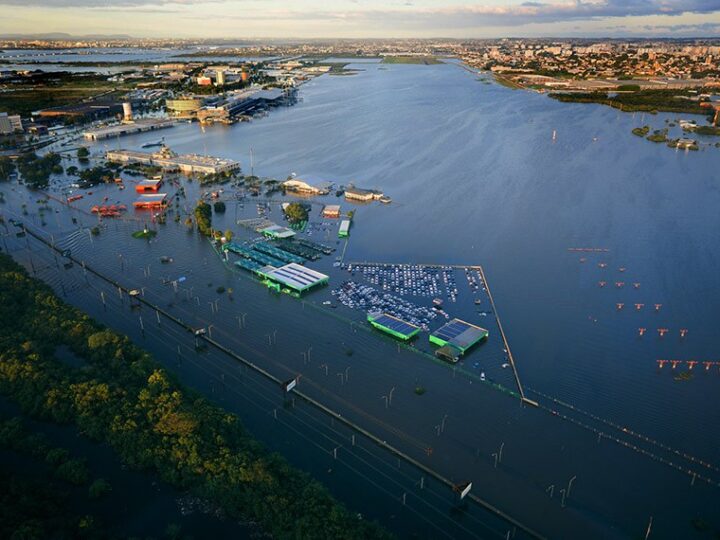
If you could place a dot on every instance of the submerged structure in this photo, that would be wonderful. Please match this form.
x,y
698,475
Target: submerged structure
x,y
455,337
156,200
392,325
344,230
277,231
148,186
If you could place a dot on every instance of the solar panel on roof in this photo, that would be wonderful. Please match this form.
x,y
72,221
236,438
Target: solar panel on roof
x,y
459,334
395,324
452,329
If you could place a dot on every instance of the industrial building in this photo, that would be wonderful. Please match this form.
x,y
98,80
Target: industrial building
x,y
167,159
393,326
331,211
148,186
357,194
184,107
307,187
127,128
10,124
156,200
344,230
277,231
295,277
455,338
227,107
91,110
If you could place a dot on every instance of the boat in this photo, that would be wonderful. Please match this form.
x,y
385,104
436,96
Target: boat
x,y
159,142
385,199
482,375
165,259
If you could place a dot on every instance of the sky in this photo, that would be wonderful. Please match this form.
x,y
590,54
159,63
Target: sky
x,y
247,19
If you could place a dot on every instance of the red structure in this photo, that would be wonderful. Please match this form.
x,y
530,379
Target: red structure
x,y
158,200
148,186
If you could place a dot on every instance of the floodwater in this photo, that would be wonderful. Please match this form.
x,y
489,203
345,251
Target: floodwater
x,y
476,178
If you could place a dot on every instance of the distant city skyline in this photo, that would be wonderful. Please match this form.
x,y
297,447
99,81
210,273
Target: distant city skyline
x,y
363,18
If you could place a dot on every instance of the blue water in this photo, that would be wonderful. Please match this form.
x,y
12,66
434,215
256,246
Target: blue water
x,y
476,178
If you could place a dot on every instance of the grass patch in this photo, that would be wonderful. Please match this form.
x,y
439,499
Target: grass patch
x,y
658,136
650,101
506,82
146,233
55,90
421,60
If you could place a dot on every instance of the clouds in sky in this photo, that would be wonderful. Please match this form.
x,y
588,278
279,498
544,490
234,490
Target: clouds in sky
x,y
374,17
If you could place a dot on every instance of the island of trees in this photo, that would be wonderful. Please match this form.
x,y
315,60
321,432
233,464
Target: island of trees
x,y
120,396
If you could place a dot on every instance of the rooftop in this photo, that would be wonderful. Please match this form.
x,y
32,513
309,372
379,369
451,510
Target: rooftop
x,y
295,276
459,334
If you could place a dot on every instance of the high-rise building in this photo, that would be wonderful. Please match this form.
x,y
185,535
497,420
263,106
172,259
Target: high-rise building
x,y
220,78
10,124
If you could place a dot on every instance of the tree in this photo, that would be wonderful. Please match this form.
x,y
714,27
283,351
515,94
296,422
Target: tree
x,y
98,488
35,171
219,207
297,212
203,218
7,167
73,471
228,235
83,154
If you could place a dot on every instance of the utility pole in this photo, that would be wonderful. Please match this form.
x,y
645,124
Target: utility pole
x,y
569,486
649,528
